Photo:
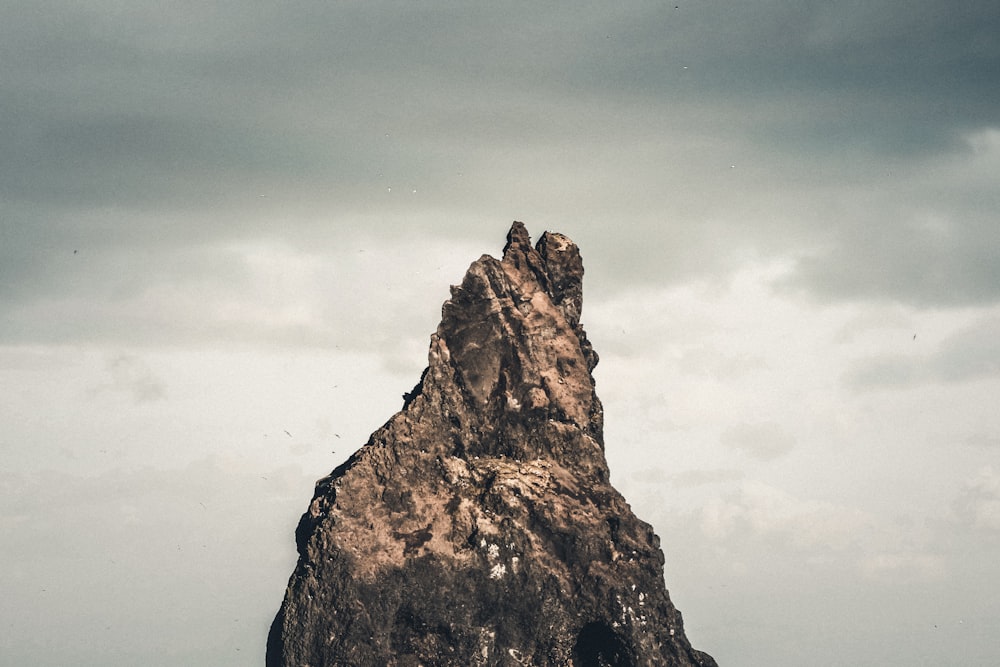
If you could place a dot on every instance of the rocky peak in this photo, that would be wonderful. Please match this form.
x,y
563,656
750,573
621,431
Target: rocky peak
x,y
477,526
510,357
555,265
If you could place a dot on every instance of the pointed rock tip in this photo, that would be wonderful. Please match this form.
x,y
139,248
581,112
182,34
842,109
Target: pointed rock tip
x,y
554,263
521,260
564,267
517,238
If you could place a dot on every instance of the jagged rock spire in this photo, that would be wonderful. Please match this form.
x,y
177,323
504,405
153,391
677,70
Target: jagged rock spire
x,y
477,526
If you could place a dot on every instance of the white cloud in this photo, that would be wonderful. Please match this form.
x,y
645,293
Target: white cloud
x,y
979,500
763,440
336,290
190,561
903,567
984,440
985,146
688,478
769,512
133,376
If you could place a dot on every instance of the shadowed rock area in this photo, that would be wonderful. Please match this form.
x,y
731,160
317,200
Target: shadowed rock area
x,y
478,525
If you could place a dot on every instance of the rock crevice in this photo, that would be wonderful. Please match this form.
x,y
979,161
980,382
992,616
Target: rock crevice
x,y
478,526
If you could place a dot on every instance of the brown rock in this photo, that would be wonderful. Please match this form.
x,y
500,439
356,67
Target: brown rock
x,y
478,526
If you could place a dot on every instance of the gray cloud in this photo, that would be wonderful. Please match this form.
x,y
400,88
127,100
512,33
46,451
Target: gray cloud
x,y
144,127
970,354
925,61
131,375
947,261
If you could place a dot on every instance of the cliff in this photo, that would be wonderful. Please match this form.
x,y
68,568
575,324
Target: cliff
x,y
478,525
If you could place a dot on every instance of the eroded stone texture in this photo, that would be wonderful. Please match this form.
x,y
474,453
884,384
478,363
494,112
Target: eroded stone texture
x,y
478,526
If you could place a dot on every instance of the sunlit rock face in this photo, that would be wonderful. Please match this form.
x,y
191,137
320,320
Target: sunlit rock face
x,y
478,525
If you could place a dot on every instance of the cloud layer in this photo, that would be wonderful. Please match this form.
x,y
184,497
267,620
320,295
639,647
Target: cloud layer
x,y
221,223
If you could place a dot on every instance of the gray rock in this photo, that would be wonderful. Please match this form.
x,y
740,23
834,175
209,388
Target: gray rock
x,y
478,525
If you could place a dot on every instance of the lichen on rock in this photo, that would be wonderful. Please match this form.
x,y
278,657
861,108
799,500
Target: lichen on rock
x,y
478,525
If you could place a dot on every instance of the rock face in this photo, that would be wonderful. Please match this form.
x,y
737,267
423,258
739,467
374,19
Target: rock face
x,y
478,525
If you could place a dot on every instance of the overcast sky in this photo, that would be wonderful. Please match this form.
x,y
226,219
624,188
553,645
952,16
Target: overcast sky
x,y
226,231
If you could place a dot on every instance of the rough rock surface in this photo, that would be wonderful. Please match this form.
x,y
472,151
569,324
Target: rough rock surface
x,y
478,525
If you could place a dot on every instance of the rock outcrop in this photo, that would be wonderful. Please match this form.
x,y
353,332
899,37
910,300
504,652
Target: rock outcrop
x,y
478,525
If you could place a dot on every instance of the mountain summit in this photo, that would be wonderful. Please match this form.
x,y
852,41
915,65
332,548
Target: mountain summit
x,y
478,525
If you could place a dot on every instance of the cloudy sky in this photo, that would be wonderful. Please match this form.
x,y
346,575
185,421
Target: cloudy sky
x,y
226,230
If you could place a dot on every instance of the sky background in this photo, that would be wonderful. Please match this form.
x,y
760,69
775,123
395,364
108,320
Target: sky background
x,y
226,231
